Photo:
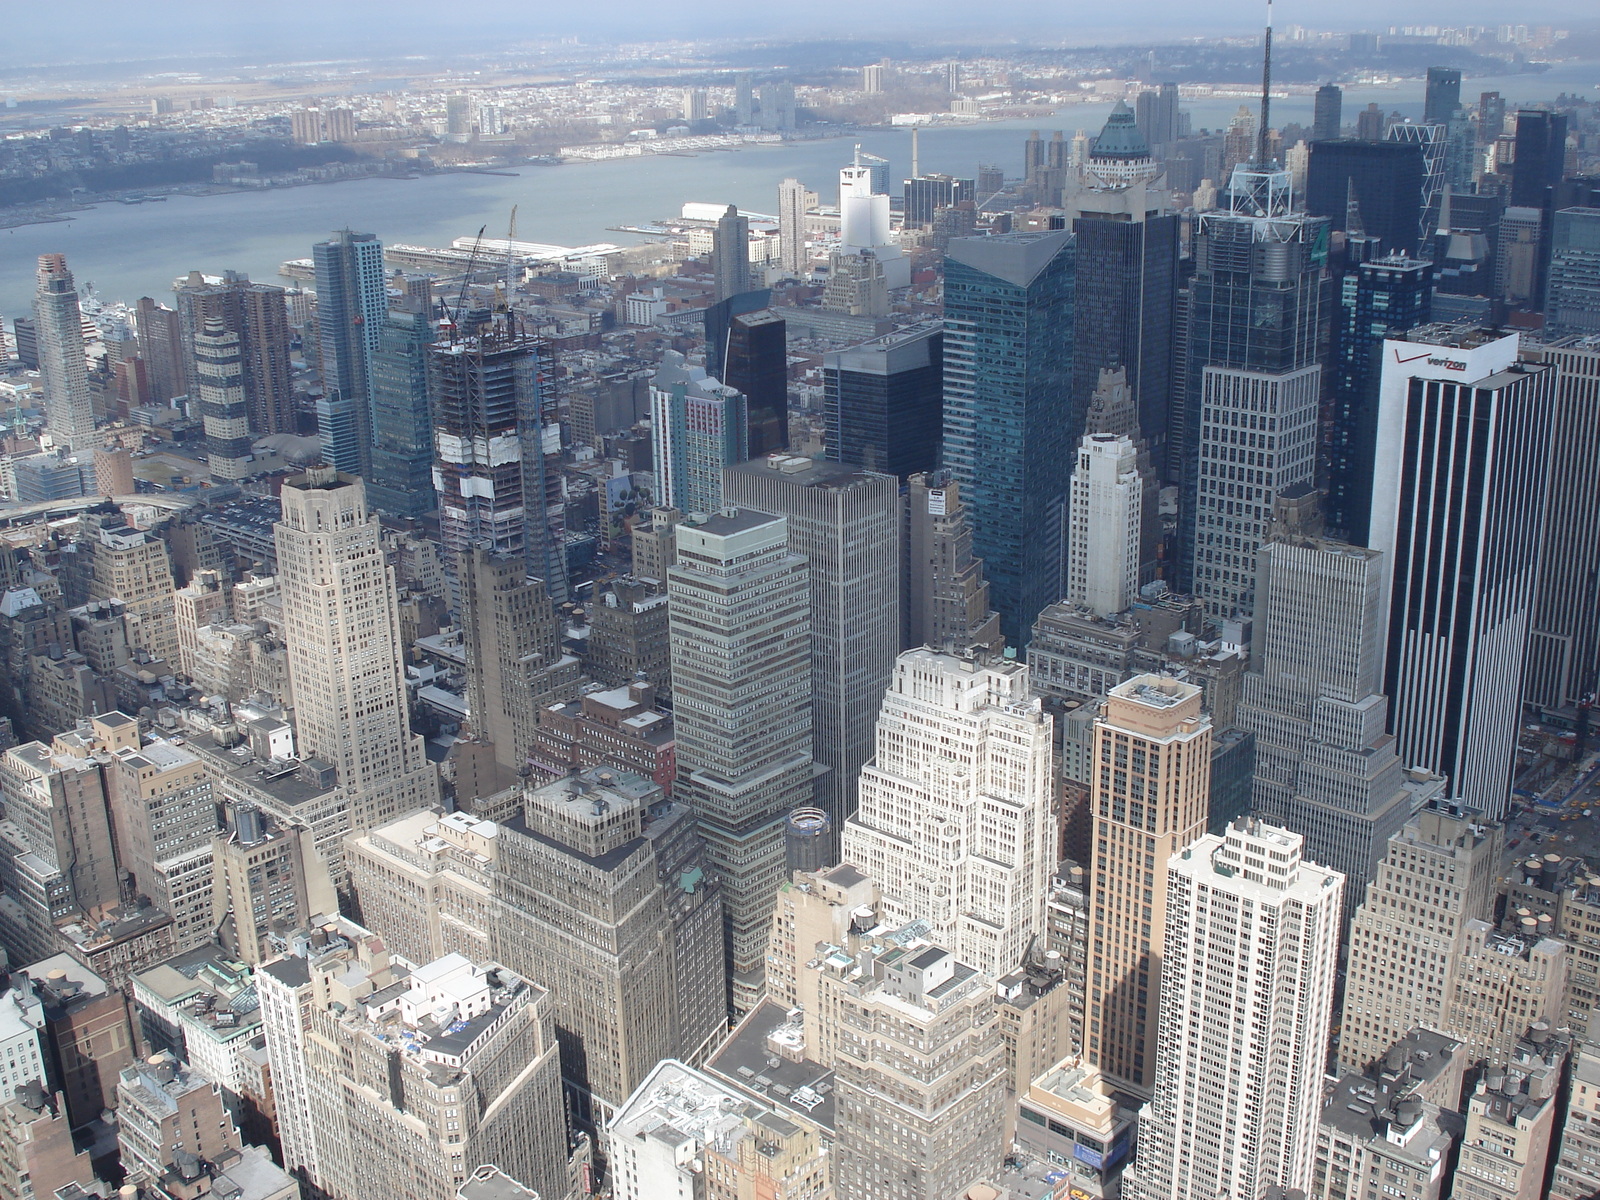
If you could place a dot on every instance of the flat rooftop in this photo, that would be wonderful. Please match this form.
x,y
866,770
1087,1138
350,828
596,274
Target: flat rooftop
x,y
804,1088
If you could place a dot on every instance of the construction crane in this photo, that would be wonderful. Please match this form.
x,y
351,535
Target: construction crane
x,y
454,317
502,288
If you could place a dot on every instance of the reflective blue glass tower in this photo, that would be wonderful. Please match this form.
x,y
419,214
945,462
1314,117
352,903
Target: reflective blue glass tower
x,y
1007,409
352,302
400,480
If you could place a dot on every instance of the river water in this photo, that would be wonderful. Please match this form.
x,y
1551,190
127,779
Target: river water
x,y
131,250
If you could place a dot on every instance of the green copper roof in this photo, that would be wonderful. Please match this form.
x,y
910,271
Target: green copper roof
x,y
1121,137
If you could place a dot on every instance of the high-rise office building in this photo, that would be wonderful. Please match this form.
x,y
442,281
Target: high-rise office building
x,y
1576,1172
352,304
1257,339
135,567
400,476
268,881
63,361
884,401
1541,156
1253,934
1437,874
443,1069
699,427
947,597
927,194
167,1112
1513,1118
1104,523
1379,182
603,892
1114,411
742,681
955,822
846,523
730,254
164,815
515,664
346,660
1157,116
695,107
1007,406
219,371
794,201
257,313
1127,276
1572,287
1327,114
1564,643
161,346
1325,765
1443,95
487,391
1149,797
1380,298
914,1036
1458,504
755,361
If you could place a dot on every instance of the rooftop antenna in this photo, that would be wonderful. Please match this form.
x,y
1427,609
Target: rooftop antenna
x,y
1266,94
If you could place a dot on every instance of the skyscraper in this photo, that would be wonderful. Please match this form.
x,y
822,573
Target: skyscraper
x,y
1437,875
1327,114
603,892
741,684
1325,765
864,220
884,400
400,476
63,362
794,200
1257,338
926,194
1157,116
1458,504
947,597
1380,298
755,361
955,822
1103,525
1541,156
371,1081
161,347
1381,183
699,428
258,315
515,665
847,525
1149,797
1572,290
342,630
1564,644
1007,409
1443,95
352,302
219,371
490,433
730,254
1127,276
1246,1008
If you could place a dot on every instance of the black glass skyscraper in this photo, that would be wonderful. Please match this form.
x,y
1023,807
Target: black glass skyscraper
x,y
1329,112
1443,96
884,402
1381,298
1379,183
1541,154
756,361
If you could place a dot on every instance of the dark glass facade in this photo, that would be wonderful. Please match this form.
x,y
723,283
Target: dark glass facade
x,y
757,363
1008,348
1379,299
884,403
1384,178
1127,292
401,477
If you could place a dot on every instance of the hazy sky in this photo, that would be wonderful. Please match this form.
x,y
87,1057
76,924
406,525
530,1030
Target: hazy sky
x,y
46,31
